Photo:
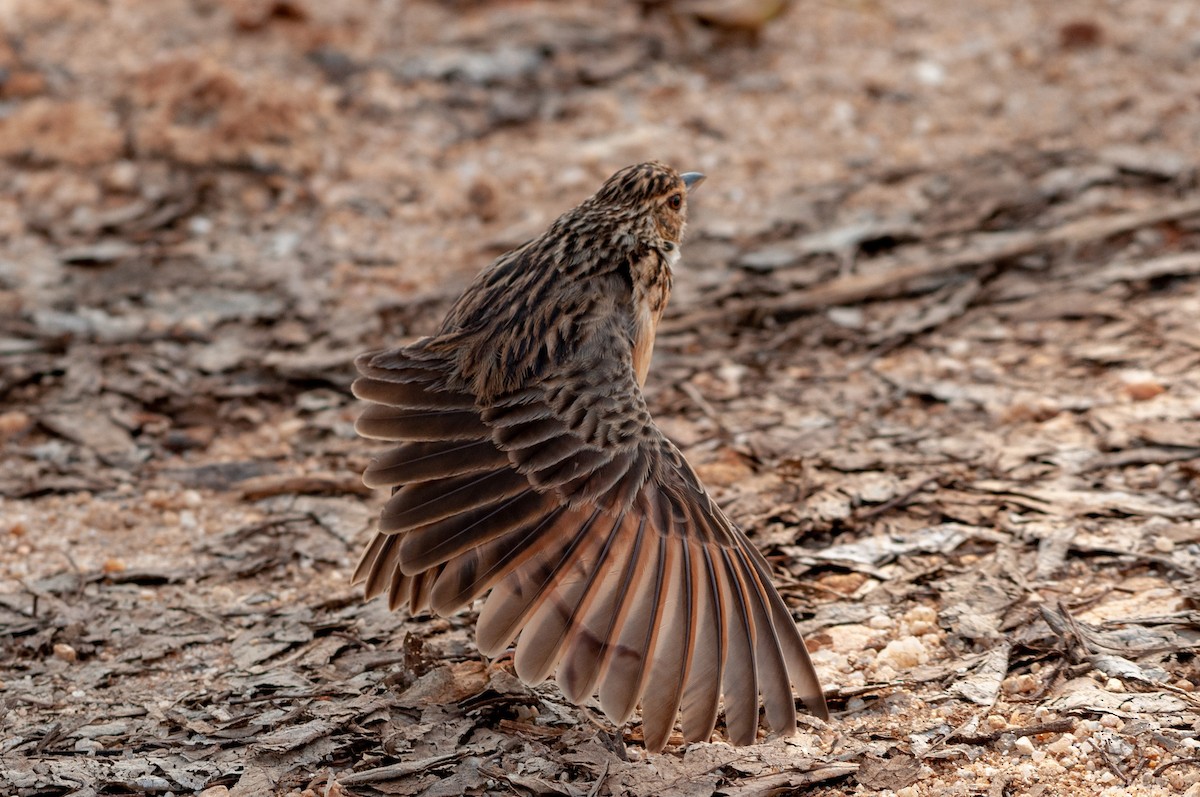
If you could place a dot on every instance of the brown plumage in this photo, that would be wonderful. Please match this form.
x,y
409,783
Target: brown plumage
x,y
527,464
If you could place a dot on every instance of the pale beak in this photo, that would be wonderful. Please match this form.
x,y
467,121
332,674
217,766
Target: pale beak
x,y
691,180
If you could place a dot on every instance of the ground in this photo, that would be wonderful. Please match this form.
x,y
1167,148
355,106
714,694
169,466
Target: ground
x,y
933,345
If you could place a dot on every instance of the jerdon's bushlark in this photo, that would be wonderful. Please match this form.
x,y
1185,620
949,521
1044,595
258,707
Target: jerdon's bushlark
x,y
527,464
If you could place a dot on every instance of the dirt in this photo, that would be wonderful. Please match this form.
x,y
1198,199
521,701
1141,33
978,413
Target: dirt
x,y
933,344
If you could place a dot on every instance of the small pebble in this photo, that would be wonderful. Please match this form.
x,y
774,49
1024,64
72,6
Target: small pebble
x,y
1080,34
903,653
65,652
484,199
1164,544
1024,745
88,746
1063,745
291,427
1019,684
849,639
930,73
14,423
921,613
122,176
1142,385
200,225
843,583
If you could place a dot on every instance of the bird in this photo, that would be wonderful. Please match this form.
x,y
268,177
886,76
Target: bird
x,y
526,467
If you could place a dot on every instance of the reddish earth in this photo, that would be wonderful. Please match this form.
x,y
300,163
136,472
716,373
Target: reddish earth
x,y
933,344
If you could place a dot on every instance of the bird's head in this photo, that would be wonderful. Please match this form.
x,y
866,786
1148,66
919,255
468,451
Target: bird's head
x,y
653,193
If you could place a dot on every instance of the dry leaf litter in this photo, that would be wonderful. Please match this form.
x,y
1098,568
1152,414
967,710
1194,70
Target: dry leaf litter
x,y
934,345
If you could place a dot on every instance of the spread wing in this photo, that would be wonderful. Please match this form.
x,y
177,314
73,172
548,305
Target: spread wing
x,y
599,544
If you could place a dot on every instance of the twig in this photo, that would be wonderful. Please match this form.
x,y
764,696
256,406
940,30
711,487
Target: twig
x,y
1063,623
983,249
975,717
56,732
1055,726
599,781
1148,455
244,533
897,500
1112,766
397,771
80,579
689,390
306,695
320,524
1164,767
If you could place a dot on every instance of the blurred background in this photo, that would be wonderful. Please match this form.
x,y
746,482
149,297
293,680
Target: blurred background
x,y
945,251
215,197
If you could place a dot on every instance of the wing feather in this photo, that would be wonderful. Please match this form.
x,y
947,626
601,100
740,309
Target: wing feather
x,y
427,461
625,670
702,692
471,573
522,591
604,555
549,628
772,671
674,649
740,684
418,504
595,639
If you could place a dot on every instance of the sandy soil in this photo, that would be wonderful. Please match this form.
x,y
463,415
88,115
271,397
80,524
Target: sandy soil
x,y
933,345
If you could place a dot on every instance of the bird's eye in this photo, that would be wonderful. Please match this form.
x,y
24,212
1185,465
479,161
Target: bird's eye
x,y
676,201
